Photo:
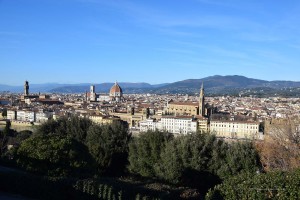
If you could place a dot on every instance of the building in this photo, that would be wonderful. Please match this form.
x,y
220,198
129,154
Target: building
x,y
43,116
182,108
235,129
12,115
203,125
4,101
92,93
150,125
187,108
39,99
133,119
282,127
172,124
26,115
26,88
92,96
201,102
179,124
116,93
102,119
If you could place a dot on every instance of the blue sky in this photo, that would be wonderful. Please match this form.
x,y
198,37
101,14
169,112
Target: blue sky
x,y
154,41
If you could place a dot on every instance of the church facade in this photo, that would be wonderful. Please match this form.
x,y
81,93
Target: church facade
x,y
188,108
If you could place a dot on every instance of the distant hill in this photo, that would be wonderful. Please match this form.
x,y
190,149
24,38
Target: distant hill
x,y
214,85
34,88
105,87
223,84
218,82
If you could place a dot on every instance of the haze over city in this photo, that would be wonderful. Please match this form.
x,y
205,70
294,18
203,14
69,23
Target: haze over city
x,y
94,41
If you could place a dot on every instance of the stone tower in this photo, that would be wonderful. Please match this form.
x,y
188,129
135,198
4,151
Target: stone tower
x,y
26,88
92,93
201,101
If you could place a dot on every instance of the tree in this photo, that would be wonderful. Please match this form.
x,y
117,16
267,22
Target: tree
x,y
74,127
272,185
53,155
170,167
241,157
108,145
23,135
186,161
198,160
4,136
145,150
4,113
281,147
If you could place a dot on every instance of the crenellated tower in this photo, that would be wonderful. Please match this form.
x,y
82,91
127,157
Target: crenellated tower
x,y
26,88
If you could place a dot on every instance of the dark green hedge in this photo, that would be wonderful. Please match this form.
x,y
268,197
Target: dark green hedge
x,y
274,185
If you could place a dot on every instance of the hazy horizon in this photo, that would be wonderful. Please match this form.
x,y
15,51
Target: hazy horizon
x,y
112,82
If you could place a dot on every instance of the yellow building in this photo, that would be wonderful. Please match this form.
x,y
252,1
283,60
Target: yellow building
x,y
235,129
182,108
202,124
102,119
188,108
132,120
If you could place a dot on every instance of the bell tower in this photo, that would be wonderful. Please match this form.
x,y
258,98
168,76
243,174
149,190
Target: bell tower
x,y
201,101
26,88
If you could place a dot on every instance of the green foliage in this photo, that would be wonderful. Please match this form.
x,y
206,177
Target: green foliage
x,y
36,187
100,189
275,185
5,137
53,155
108,145
22,135
241,157
194,160
186,160
144,152
7,131
170,167
74,127
4,113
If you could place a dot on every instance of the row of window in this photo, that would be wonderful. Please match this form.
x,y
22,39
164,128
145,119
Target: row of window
x,y
219,125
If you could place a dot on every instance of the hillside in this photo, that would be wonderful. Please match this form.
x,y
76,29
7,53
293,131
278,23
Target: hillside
x,y
221,85
214,85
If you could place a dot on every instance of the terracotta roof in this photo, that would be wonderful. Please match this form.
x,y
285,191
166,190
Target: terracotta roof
x,y
177,117
185,103
115,88
239,122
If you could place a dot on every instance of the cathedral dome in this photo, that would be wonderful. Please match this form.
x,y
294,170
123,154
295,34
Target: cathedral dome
x,y
116,90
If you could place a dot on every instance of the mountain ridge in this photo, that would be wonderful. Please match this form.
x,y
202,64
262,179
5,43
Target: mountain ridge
x,y
216,84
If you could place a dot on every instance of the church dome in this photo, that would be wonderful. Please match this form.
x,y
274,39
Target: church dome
x,y
116,90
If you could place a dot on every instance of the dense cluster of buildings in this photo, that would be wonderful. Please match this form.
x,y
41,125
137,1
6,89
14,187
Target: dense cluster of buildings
x,y
227,117
115,94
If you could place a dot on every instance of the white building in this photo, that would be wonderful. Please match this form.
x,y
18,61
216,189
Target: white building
x,y
176,125
11,114
179,124
150,124
43,116
235,129
103,97
26,116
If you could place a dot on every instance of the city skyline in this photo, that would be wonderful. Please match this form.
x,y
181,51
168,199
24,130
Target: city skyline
x,y
96,41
